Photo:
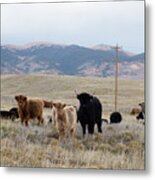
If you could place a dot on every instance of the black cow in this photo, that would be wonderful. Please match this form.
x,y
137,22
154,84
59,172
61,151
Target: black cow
x,y
14,111
115,117
89,113
140,116
11,114
6,114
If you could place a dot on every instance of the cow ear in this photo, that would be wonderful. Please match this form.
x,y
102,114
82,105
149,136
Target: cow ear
x,y
63,105
51,104
91,97
55,104
16,98
78,96
25,98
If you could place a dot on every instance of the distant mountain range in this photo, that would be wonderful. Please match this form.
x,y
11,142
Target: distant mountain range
x,y
50,58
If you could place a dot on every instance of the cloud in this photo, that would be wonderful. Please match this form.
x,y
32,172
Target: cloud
x,y
80,23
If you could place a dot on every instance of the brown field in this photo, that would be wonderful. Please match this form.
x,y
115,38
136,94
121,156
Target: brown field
x,y
121,146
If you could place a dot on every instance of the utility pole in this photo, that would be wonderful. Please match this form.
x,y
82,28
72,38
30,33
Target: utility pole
x,y
116,76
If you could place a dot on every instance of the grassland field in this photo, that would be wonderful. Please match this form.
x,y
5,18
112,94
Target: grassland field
x,y
120,146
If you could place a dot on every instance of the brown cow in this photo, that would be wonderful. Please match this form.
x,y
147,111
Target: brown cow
x,y
48,104
65,119
31,108
136,110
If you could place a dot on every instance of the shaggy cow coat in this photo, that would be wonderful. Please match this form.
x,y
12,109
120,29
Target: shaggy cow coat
x,y
30,108
89,113
6,114
14,111
65,118
135,110
11,114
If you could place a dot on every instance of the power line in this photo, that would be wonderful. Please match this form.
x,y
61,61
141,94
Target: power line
x,y
116,75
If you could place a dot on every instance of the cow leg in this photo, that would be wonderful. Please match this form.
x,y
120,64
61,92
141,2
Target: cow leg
x,y
83,128
26,122
72,134
40,120
99,126
91,129
55,123
12,117
22,121
62,136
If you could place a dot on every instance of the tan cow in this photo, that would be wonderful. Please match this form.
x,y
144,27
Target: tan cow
x,y
135,110
65,119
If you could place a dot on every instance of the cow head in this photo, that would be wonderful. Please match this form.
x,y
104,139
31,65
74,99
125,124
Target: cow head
x,y
59,105
141,104
84,98
21,100
59,109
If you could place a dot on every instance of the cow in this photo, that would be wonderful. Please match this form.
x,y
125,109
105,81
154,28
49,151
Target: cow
x,y
14,111
48,104
5,114
65,120
115,117
135,110
89,112
11,114
141,114
30,108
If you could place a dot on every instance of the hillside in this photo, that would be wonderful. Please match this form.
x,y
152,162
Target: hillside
x,y
61,87
49,58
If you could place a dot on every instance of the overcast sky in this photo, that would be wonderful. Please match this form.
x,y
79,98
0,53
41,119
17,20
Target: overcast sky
x,y
85,24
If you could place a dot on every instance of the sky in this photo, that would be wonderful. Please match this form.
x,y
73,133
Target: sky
x,y
85,24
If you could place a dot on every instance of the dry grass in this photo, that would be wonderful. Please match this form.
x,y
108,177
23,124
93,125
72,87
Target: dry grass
x,y
121,146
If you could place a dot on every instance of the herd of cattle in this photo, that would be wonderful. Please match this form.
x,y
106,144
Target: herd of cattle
x,y
64,116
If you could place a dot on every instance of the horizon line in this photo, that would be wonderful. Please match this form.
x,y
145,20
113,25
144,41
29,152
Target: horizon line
x,y
33,43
